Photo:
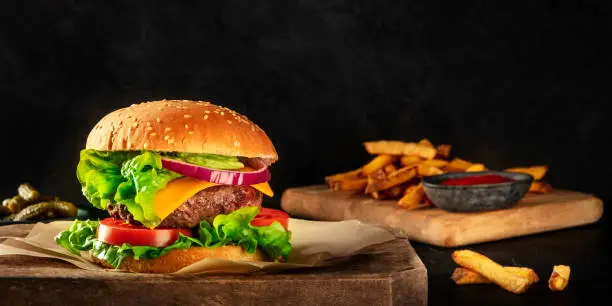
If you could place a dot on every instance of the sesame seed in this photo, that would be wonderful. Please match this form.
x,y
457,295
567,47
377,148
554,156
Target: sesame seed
x,y
207,112
145,145
252,128
153,134
171,140
229,121
205,117
129,144
148,123
221,113
187,126
149,128
135,124
190,132
167,130
187,115
166,137
158,120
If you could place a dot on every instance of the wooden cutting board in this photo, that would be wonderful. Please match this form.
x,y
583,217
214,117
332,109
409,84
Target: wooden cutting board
x,y
385,274
534,214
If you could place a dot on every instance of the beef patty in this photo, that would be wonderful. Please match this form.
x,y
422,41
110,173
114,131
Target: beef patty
x,y
204,205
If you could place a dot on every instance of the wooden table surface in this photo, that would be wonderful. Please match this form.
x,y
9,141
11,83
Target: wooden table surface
x,y
535,213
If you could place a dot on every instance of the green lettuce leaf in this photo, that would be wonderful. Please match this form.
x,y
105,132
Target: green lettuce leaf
x,y
79,237
133,178
114,254
236,228
100,174
230,229
145,176
274,240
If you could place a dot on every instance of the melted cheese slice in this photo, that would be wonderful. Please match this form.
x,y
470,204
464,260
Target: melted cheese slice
x,y
180,190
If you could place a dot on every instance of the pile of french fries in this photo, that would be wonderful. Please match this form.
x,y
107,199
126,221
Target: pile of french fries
x,y
476,268
397,167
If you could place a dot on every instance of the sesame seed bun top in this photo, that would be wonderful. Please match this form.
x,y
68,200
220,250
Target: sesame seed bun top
x,y
181,126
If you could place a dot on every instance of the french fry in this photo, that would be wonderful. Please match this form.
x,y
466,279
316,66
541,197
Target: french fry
x,y
394,192
381,179
425,142
398,177
491,270
476,168
465,276
537,172
376,195
443,151
413,198
375,176
410,160
457,165
559,277
354,174
348,185
391,193
438,163
425,170
377,163
540,187
393,147
389,168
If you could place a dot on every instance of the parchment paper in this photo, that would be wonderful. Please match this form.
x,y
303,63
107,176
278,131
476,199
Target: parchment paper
x,y
314,244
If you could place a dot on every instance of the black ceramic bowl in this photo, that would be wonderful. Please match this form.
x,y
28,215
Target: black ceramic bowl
x,y
482,197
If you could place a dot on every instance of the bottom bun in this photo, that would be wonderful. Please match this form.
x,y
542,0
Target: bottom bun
x,y
180,258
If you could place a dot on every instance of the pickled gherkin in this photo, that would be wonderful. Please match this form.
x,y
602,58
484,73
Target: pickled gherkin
x,y
29,204
27,192
43,209
16,203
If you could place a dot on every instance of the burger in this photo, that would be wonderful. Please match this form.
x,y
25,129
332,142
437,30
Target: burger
x,y
181,181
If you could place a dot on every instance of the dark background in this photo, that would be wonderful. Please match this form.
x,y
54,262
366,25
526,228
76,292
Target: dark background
x,y
509,83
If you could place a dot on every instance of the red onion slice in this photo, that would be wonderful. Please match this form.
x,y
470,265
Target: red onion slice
x,y
225,177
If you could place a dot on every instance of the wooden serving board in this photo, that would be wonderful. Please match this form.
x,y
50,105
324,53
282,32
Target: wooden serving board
x,y
534,214
385,274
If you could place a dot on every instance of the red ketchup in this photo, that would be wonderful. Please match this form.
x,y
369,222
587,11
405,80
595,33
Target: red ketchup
x,y
477,180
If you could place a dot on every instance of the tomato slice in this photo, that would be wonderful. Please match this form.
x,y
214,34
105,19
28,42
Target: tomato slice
x,y
267,216
117,232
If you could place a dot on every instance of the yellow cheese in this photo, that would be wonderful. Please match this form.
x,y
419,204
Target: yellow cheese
x,y
264,188
180,190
